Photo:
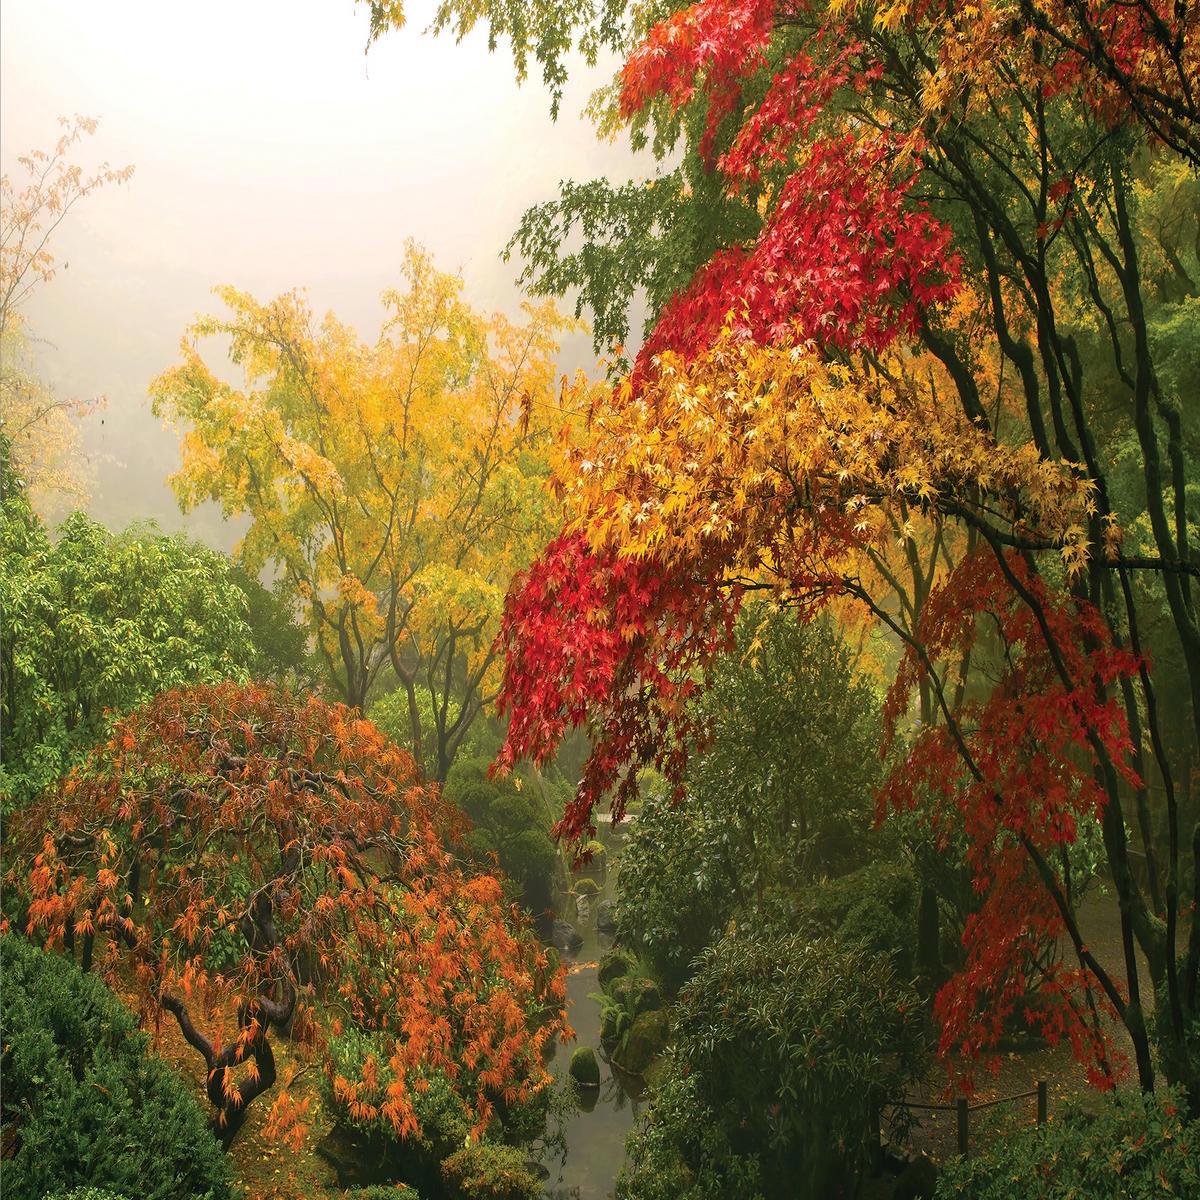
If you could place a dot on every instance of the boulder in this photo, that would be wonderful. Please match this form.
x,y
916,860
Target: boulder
x,y
564,936
636,995
646,1038
613,966
585,1067
606,916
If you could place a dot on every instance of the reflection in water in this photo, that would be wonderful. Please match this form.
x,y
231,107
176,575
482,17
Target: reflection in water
x,y
595,1139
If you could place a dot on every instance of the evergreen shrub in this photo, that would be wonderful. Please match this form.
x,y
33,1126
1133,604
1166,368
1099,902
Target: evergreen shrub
x,y
84,1102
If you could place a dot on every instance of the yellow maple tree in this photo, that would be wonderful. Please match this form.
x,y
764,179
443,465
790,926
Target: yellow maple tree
x,y
393,488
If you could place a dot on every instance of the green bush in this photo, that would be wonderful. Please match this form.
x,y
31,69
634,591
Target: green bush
x,y
780,796
875,905
86,1193
784,1052
487,1171
1178,1058
83,1101
1137,1148
444,1122
510,820
382,1191
671,897
682,1151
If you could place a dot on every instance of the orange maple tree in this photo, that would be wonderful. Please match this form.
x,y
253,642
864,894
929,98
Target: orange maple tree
x,y
251,861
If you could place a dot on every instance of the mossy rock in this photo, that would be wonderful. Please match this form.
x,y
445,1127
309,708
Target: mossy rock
x,y
614,965
636,995
585,1067
586,887
646,1039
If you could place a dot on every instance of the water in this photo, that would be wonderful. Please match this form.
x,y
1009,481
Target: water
x,y
596,1139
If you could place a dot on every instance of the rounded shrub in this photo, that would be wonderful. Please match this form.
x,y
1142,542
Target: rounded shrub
x,y
784,1053
382,1191
487,1171
1135,1148
84,1103
510,820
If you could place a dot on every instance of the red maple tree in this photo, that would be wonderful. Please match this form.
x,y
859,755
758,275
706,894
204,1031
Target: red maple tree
x,y
948,205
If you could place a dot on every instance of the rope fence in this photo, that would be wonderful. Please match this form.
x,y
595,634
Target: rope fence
x,y
963,1108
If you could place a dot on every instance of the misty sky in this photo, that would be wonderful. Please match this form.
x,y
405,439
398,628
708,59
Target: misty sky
x,y
270,153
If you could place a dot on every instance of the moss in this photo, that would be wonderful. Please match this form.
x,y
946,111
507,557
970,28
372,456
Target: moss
x,y
647,1038
585,1067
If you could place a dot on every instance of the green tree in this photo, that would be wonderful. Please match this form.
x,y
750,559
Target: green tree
x,y
785,1051
781,793
94,625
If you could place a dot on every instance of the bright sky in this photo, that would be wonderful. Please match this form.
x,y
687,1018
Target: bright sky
x,y
270,153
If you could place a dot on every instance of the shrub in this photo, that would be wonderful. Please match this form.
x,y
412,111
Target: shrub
x,y
443,1120
875,905
671,898
1136,1148
512,820
780,796
382,1191
785,1051
486,1171
1179,1058
83,1101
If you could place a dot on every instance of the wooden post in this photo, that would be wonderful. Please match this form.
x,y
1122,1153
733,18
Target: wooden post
x,y
1041,1098
963,1127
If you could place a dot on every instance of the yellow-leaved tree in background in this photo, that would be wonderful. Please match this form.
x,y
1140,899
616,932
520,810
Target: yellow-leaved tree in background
x,y
393,489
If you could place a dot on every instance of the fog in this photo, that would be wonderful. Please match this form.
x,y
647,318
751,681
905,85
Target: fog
x,y
270,152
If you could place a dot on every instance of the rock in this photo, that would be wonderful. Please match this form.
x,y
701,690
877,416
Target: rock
x,y
564,936
613,965
583,910
585,1067
606,917
636,996
646,1038
586,887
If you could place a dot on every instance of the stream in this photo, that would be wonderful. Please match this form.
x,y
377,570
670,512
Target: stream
x,y
596,1139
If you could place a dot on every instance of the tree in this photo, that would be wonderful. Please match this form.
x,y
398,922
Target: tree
x,y
392,487
978,186
39,428
258,862
780,793
785,1051
96,624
